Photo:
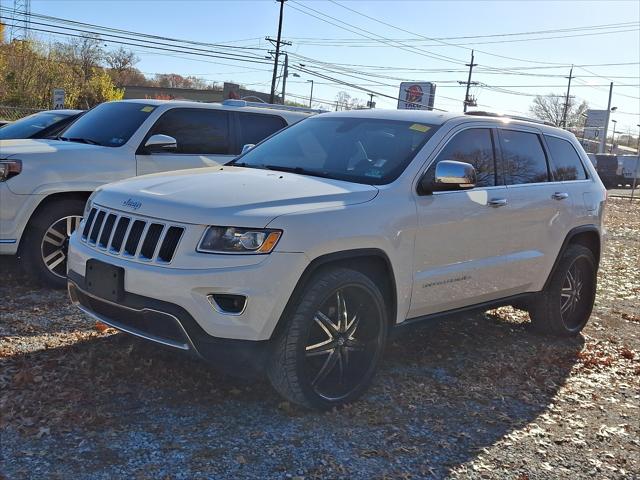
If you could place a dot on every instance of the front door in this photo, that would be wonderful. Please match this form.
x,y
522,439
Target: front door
x,y
461,249
203,138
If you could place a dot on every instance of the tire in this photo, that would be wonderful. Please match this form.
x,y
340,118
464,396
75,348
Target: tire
x,y
320,361
47,237
564,307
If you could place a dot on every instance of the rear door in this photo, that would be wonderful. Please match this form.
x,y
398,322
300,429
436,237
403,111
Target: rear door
x,y
540,208
461,254
252,128
204,138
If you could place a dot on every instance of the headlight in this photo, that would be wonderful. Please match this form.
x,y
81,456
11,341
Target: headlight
x,y
9,168
238,240
89,204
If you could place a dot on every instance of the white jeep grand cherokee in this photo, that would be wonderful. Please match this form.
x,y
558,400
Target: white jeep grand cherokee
x,y
304,253
44,184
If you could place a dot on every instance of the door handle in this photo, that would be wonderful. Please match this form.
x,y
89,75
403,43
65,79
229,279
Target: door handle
x,y
497,202
560,195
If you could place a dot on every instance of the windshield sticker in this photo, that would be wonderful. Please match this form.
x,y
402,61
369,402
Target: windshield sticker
x,y
419,128
148,108
374,173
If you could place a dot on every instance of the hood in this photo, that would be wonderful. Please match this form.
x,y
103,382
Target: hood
x,y
10,148
234,196
50,166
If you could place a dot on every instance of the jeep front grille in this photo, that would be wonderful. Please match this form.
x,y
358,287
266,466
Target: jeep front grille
x,y
131,236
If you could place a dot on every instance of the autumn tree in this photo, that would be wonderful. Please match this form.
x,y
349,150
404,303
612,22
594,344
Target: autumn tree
x,y
550,108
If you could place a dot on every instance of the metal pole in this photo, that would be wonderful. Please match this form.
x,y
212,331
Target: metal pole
x,y
466,95
635,177
272,96
613,135
566,100
285,74
311,96
603,140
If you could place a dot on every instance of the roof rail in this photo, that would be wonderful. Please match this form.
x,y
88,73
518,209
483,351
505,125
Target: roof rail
x,y
482,113
243,103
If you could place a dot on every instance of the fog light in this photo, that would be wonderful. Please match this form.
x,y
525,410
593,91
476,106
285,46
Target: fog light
x,y
228,304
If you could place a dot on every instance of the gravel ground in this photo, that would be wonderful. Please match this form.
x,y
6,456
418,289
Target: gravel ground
x,y
471,397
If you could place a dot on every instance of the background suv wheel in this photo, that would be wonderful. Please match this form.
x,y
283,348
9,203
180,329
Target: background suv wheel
x,y
44,251
564,307
333,341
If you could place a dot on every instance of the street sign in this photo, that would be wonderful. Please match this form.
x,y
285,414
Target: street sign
x,y
58,98
416,96
596,121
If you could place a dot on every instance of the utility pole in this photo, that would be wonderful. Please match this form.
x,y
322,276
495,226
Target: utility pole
x,y
285,74
603,140
467,100
566,100
371,104
272,97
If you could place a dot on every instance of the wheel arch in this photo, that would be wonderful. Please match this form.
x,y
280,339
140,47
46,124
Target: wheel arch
x,y
54,197
372,262
585,235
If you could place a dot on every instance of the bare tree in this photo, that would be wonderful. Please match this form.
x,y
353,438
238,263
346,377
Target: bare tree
x,y
550,108
347,102
87,53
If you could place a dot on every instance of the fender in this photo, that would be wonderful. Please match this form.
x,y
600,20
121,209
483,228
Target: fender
x,y
590,228
340,257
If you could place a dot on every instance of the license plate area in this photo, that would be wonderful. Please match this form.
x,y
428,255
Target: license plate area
x,y
104,280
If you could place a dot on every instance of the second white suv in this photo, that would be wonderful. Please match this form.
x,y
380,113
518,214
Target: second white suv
x,y
301,255
44,184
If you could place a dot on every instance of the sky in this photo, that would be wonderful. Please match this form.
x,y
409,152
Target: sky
x,y
380,43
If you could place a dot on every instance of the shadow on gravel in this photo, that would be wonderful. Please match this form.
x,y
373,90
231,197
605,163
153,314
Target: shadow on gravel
x,y
116,405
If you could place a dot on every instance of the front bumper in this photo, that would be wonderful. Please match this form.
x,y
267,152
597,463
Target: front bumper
x,y
182,292
171,326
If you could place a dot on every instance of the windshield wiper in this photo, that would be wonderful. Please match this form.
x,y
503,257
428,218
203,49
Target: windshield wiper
x,y
88,141
298,170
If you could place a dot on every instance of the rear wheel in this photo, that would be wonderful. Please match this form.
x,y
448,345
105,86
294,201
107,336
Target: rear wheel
x,y
565,306
333,341
44,252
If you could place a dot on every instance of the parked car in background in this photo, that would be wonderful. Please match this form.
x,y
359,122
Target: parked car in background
x,y
47,124
44,184
303,254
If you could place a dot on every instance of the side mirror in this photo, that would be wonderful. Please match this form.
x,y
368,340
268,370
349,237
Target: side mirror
x,y
247,147
160,142
449,175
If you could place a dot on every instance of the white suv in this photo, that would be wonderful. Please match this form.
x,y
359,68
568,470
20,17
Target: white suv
x,y
44,184
304,253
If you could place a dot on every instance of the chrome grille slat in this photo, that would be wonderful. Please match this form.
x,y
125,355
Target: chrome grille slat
x,y
155,244
113,231
141,240
165,229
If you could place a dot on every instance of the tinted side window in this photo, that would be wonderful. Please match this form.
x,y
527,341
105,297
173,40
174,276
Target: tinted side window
x,y
472,146
566,164
524,157
255,127
196,130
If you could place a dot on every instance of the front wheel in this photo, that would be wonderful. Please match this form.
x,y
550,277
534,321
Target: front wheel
x,y
564,307
333,341
46,243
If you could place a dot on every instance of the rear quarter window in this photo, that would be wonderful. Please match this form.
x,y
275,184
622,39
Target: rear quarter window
x,y
565,161
255,127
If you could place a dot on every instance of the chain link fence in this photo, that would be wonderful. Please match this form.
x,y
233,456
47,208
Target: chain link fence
x,y
15,113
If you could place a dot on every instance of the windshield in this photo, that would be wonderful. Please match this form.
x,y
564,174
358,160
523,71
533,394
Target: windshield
x,y
28,126
361,150
109,124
